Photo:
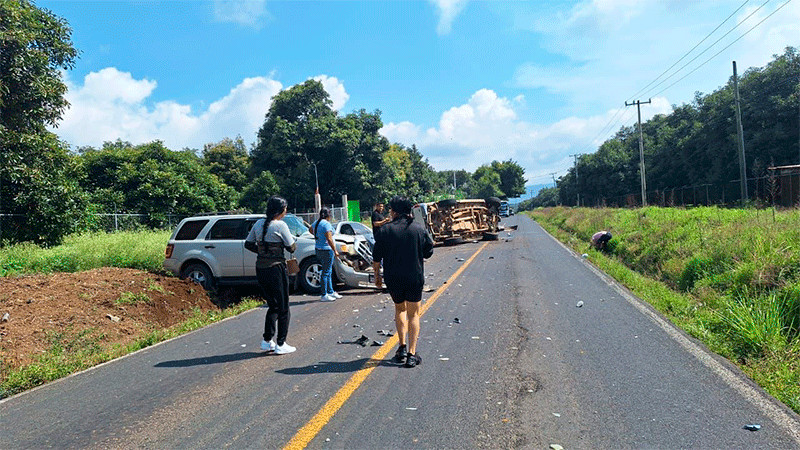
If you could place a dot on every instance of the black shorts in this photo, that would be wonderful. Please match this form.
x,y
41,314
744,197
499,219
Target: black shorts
x,y
402,294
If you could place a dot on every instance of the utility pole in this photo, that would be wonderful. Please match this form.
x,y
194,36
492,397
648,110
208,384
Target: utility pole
x,y
740,140
577,186
553,174
641,148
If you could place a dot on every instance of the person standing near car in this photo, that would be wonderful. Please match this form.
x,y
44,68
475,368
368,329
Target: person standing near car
x,y
378,218
326,251
401,245
268,238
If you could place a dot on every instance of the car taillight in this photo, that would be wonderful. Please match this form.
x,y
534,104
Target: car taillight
x,y
168,251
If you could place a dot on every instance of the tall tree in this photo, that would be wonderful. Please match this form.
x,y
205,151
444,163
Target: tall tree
x,y
37,181
228,160
512,180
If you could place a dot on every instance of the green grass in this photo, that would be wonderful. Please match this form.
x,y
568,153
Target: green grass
x,y
730,278
127,249
129,298
73,350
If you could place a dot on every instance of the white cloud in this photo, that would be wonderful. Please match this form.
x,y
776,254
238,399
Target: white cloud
x,y
112,105
335,90
488,128
447,11
249,13
607,50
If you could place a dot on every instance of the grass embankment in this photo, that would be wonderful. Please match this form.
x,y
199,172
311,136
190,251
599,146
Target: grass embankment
x,y
730,278
74,350
128,249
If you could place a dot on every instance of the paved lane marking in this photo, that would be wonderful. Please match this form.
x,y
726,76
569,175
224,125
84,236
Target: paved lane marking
x,y
325,414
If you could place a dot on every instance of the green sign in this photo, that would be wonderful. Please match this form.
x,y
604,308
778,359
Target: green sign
x,y
354,210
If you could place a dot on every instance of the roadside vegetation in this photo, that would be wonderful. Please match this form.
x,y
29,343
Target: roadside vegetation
x,y
126,249
71,350
728,277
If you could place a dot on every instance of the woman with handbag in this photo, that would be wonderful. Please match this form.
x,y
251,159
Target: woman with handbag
x,y
326,251
268,238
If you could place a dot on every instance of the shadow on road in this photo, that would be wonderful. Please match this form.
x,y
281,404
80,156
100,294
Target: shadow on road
x,y
218,359
338,366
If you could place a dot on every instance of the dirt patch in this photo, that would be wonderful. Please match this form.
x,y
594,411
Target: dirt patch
x,y
114,305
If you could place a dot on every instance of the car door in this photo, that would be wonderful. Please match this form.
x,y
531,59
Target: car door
x,y
225,244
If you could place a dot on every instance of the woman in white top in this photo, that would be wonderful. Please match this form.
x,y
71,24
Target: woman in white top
x,y
268,238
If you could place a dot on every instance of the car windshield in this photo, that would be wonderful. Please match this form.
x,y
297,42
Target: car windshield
x,y
297,225
361,229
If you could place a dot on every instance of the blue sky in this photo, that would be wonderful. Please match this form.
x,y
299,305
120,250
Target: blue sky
x,y
468,82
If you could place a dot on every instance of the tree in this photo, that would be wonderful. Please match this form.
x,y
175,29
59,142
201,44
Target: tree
x,y
512,180
486,183
151,179
228,160
36,173
257,193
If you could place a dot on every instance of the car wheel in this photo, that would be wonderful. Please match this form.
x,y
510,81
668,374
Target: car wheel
x,y
200,274
310,275
447,203
453,241
493,201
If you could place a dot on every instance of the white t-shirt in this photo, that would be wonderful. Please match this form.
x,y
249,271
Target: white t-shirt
x,y
277,231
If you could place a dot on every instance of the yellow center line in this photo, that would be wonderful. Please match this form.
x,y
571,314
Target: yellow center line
x,y
325,414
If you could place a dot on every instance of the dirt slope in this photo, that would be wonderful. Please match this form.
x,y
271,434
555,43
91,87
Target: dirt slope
x,y
115,305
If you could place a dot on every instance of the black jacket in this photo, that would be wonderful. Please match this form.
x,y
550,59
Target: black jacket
x,y
402,246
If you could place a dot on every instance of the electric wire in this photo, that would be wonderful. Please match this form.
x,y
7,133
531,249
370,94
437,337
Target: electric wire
x,y
689,52
727,46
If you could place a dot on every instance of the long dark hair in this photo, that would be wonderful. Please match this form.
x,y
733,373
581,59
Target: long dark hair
x,y
324,213
275,206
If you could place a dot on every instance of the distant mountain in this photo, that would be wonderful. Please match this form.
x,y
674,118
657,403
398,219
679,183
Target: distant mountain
x,y
530,192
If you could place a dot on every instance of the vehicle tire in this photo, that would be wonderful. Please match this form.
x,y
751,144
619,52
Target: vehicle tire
x,y
310,275
200,274
493,201
447,203
490,236
453,241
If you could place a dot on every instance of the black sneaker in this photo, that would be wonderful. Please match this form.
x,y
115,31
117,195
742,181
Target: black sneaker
x,y
400,354
413,360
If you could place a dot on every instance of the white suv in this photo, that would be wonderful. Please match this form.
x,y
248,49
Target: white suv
x,y
210,250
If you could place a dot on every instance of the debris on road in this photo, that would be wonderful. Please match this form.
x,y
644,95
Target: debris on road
x,y
557,414
113,318
752,427
377,343
411,409
427,288
444,359
362,341
386,332
476,337
585,255
556,447
456,320
580,304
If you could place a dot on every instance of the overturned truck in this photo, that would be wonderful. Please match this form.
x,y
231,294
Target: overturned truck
x,y
453,221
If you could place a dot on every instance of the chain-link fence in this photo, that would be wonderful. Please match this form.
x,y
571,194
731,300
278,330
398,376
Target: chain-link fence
x,y
780,188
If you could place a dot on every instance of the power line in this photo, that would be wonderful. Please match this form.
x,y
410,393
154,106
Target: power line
x,y
727,46
690,51
712,45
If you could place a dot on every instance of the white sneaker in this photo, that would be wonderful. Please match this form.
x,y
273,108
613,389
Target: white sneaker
x,y
268,346
284,349
335,295
327,298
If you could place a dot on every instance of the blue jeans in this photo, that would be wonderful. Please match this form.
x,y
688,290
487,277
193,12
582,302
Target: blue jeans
x,y
326,278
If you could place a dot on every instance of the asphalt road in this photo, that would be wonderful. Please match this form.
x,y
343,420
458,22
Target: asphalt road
x,y
522,367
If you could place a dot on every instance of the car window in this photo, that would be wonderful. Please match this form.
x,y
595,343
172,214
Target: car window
x,y
361,229
226,229
347,229
190,230
297,225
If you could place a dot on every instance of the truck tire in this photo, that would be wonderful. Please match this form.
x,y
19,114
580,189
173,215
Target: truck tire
x,y
493,201
453,241
310,275
490,236
200,274
447,203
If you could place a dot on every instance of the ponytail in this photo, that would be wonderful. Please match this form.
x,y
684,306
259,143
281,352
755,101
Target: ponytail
x,y
324,213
